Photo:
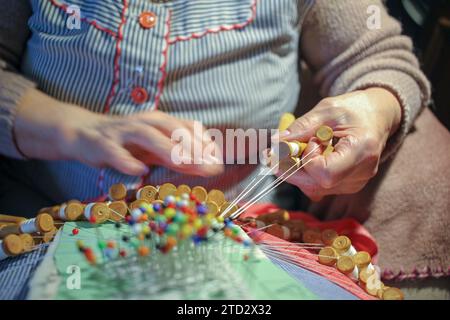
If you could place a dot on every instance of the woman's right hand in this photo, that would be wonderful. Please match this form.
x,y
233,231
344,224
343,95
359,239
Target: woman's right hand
x,y
48,129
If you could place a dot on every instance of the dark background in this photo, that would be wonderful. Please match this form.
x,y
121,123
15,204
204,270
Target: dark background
x,y
427,22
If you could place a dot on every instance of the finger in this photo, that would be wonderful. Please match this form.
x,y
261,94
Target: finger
x,y
331,170
160,148
210,152
161,121
121,160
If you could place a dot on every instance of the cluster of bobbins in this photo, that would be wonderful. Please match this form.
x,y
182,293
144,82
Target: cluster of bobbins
x,y
290,153
121,202
335,251
19,235
160,219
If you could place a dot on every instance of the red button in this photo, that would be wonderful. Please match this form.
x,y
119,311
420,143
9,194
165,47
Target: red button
x,y
139,95
147,20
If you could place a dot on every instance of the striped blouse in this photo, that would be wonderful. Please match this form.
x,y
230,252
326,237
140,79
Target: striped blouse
x,y
226,63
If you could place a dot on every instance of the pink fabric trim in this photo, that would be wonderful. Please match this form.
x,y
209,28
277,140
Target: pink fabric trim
x,y
415,274
219,28
91,22
360,237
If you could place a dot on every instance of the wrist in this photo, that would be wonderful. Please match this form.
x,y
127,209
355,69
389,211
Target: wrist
x,y
390,105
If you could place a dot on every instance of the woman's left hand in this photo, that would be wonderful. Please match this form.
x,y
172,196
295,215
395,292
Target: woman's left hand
x,y
363,121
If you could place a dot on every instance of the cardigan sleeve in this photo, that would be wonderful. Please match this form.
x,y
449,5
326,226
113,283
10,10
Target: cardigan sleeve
x,y
13,21
352,45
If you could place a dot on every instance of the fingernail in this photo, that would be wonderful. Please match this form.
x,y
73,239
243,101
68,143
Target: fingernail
x,y
280,135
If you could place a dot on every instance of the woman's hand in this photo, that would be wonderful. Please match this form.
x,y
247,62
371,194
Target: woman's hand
x,y
363,121
51,130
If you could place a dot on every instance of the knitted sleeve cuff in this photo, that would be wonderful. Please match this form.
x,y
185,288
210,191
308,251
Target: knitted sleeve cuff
x,y
413,95
12,88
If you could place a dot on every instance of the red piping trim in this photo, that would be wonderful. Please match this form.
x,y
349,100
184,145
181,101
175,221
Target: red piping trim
x,y
220,28
91,22
163,66
119,38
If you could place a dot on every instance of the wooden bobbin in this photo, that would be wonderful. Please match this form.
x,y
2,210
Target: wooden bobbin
x,y
48,236
167,189
216,196
363,260
381,290
364,274
279,216
97,212
392,294
183,189
138,203
286,120
117,192
53,211
343,246
2,224
312,236
324,134
27,241
296,228
118,210
11,219
200,193
328,236
147,193
279,231
70,211
42,223
328,256
290,149
10,246
213,208
346,265
225,206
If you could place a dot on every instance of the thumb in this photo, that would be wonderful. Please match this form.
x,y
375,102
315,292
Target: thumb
x,y
304,128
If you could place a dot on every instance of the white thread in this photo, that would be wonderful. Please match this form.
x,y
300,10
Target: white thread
x,y
295,149
3,254
138,194
62,213
354,274
286,232
350,252
28,226
88,210
370,267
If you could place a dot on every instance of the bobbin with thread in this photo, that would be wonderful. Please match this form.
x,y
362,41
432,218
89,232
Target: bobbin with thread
x,y
328,256
147,193
118,210
343,246
10,246
347,266
117,192
166,189
363,260
216,196
70,211
97,212
279,231
41,224
4,218
279,216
